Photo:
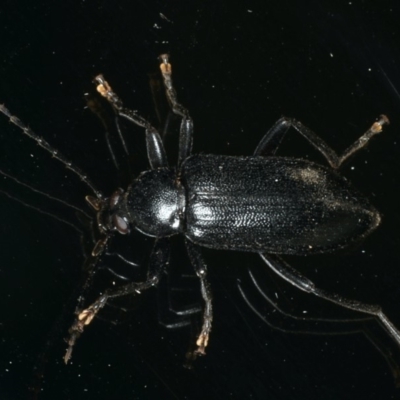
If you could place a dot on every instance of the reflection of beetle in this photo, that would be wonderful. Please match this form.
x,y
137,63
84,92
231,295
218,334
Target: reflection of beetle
x,y
262,203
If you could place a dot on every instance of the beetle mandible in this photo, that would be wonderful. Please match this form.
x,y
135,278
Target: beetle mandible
x,y
262,203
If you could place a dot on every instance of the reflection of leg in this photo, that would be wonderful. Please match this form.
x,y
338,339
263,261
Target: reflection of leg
x,y
158,259
201,271
301,282
272,139
177,298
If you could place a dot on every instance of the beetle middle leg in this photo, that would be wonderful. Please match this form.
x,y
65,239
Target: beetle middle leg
x,y
272,139
200,267
301,282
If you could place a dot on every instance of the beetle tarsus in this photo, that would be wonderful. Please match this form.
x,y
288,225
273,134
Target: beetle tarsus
x,y
71,342
202,342
83,318
165,66
377,126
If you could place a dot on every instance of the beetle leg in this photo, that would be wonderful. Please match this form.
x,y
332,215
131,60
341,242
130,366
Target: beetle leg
x,y
316,326
186,131
158,260
288,315
155,148
270,142
334,160
272,139
301,282
201,271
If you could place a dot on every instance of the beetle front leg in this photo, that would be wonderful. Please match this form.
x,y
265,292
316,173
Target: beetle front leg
x,y
186,131
273,138
155,148
158,260
301,282
200,267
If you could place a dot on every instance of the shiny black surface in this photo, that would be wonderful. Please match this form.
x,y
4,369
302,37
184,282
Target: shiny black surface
x,y
155,203
272,204
331,65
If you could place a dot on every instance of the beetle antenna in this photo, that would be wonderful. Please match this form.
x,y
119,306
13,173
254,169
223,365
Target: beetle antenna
x,y
42,143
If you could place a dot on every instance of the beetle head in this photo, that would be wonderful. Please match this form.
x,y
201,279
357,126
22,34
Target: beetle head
x,y
110,218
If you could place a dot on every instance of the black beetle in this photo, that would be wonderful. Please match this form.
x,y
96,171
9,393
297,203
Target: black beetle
x,y
262,203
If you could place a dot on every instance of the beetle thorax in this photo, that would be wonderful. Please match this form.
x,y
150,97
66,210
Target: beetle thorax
x,y
155,203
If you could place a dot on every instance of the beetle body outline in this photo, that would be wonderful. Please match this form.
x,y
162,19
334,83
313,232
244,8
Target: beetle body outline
x,y
187,199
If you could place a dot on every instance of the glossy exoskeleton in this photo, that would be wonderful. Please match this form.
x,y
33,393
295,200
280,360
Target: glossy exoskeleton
x,y
262,203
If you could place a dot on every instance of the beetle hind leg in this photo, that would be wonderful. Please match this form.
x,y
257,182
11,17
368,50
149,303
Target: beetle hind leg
x,y
301,282
333,159
281,315
270,142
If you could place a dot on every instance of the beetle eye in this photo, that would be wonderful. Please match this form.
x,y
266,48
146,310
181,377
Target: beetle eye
x,y
120,224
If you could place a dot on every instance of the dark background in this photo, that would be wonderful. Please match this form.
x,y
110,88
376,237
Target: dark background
x,y
238,68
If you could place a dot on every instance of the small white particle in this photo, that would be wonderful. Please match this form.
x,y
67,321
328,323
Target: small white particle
x,y
249,11
331,54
